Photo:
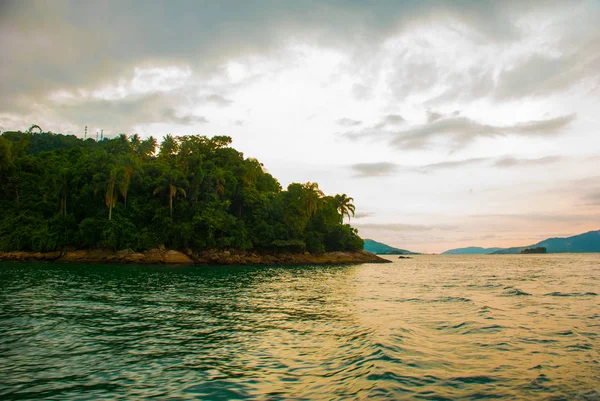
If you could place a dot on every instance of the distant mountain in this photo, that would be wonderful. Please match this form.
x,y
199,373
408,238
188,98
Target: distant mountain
x,y
587,242
383,249
471,250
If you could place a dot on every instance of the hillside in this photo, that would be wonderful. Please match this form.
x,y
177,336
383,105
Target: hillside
x,y
383,249
471,250
587,242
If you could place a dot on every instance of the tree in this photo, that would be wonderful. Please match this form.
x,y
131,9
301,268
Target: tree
x,y
111,196
128,166
169,183
146,148
344,205
61,184
313,193
168,147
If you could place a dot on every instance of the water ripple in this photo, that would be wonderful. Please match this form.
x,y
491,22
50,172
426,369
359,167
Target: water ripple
x,y
435,328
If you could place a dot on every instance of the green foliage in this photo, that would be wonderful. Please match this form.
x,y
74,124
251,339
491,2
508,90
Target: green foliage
x,y
197,192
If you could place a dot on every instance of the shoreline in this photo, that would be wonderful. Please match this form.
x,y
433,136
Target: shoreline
x,y
194,258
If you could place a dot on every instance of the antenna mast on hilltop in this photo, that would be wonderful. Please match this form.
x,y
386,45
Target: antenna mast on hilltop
x,y
101,134
85,133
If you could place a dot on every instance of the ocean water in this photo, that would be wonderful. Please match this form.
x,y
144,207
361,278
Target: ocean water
x,y
519,327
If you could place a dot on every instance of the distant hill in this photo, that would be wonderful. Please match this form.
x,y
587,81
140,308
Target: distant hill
x,y
383,249
471,250
587,242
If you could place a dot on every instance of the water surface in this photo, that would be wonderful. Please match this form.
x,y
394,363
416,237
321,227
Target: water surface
x,y
433,328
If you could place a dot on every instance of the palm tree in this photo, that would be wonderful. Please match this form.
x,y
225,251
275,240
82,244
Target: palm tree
x,y
168,183
61,182
345,206
313,193
111,195
135,141
129,165
146,148
168,147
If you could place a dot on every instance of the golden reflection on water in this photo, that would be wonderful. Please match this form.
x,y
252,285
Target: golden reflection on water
x,y
431,327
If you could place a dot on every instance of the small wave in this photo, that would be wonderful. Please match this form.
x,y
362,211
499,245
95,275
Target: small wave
x,y
580,347
514,291
538,340
451,299
485,329
481,379
454,326
570,294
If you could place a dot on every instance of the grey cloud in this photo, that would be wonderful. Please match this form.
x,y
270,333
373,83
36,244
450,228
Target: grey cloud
x,y
386,168
393,119
171,116
124,114
390,120
374,169
362,215
542,74
433,116
66,48
218,100
49,46
449,164
348,122
462,130
514,162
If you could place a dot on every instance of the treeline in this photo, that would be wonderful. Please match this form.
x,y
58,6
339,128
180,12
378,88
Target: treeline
x,y
127,193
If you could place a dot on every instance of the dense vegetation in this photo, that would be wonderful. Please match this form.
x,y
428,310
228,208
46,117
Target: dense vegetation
x,y
195,192
540,249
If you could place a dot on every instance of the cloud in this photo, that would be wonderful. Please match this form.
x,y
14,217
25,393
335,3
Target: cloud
x,y
513,162
362,215
592,198
387,168
128,112
57,47
449,164
433,116
393,119
374,169
460,131
398,227
218,100
541,218
73,49
348,122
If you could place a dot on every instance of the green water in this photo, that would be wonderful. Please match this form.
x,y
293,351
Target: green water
x,y
432,327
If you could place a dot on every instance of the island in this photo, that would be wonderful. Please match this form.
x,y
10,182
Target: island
x,y
188,200
539,249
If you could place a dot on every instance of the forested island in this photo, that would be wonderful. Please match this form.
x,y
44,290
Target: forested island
x,y
539,249
128,195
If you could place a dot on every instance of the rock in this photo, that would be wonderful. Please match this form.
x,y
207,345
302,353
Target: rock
x,y
136,258
209,256
177,258
153,257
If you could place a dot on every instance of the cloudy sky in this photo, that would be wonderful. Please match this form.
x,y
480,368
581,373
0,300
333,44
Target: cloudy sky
x,y
451,123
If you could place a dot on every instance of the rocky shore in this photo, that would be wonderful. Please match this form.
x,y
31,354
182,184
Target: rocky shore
x,y
189,257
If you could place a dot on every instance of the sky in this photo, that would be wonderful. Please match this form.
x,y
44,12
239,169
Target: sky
x,y
450,123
